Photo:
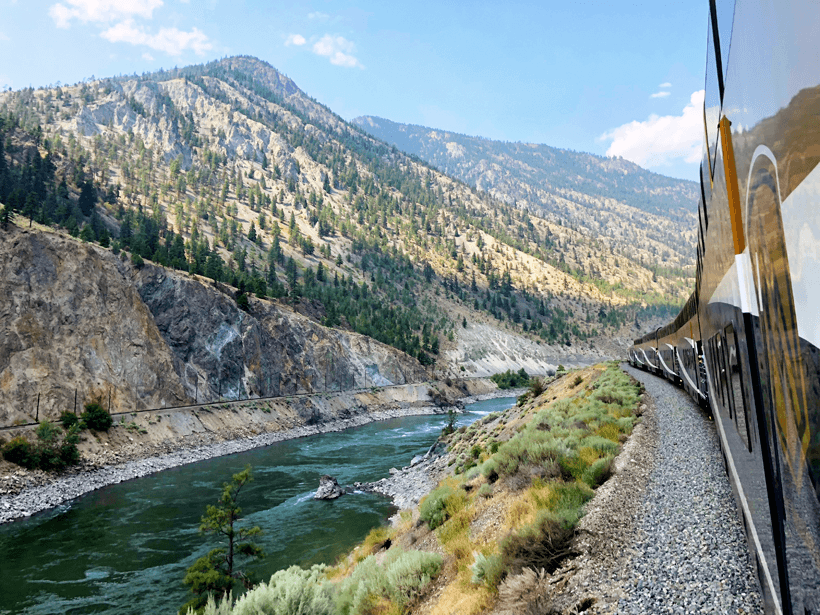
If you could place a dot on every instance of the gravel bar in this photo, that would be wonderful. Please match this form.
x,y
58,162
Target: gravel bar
x,y
691,554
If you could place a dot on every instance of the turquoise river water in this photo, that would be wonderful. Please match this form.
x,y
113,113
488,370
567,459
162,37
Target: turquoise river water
x,y
124,548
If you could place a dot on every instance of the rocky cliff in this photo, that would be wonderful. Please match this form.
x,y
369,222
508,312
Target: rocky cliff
x,y
221,351
71,321
75,317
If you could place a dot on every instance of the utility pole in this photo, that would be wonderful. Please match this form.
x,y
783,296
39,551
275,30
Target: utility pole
x,y
37,417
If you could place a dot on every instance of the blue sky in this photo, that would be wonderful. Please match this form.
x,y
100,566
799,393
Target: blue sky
x,y
610,77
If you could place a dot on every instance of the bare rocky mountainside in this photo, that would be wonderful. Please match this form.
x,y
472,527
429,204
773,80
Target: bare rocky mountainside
x,y
213,231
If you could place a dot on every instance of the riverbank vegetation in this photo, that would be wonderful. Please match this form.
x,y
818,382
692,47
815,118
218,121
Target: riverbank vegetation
x,y
511,505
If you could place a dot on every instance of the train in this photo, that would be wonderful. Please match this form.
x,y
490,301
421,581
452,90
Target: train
x,y
745,344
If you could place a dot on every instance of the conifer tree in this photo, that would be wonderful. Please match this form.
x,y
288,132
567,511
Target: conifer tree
x,y
217,572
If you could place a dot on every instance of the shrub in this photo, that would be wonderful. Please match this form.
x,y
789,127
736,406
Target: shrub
x,y
488,570
400,577
536,387
432,510
544,544
598,473
20,451
484,491
95,417
136,260
68,419
293,591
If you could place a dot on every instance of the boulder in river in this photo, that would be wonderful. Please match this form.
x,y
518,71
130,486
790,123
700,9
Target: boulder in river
x,y
328,489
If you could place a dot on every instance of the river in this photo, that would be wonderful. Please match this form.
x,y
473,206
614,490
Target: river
x,y
124,549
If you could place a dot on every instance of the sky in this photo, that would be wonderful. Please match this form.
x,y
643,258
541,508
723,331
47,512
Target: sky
x,y
611,77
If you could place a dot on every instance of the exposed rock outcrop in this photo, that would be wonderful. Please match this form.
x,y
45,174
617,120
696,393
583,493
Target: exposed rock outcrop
x,y
74,316
70,320
329,489
269,350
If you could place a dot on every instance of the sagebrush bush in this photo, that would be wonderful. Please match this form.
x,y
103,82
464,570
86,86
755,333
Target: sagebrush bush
x,y
433,508
294,591
598,472
488,570
544,544
400,578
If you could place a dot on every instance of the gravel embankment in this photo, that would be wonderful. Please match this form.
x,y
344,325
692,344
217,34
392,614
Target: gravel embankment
x,y
42,497
690,555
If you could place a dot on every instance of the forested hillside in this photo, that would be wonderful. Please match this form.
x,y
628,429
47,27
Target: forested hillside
x,y
228,171
602,196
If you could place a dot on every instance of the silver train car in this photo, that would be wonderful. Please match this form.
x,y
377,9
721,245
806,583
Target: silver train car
x,y
746,343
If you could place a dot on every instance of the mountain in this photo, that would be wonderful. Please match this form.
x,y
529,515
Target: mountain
x,y
601,196
229,175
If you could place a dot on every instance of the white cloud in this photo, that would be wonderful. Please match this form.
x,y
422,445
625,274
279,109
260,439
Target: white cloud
x,y
147,56
168,40
101,11
4,37
661,94
665,85
318,16
338,49
295,39
658,141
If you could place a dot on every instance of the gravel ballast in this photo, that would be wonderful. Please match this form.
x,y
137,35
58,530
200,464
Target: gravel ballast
x,y
690,554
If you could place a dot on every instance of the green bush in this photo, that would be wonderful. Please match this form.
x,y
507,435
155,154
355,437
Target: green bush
x,y
433,509
68,419
52,451
95,417
293,591
511,379
488,570
598,472
400,577
21,452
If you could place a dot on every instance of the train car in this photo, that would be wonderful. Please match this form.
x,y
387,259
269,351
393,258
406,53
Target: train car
x,y
746,343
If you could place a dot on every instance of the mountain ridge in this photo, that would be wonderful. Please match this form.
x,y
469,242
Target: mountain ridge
x,y
229,171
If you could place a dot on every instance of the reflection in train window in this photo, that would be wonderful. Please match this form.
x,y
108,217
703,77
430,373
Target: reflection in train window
x,y
711,103
720,365
736,387
724,366
725,16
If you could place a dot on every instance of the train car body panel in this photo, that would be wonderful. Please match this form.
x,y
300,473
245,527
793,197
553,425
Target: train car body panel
x,y
748,339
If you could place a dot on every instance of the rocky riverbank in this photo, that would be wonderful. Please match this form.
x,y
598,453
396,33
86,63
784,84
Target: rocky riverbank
x,y
42,493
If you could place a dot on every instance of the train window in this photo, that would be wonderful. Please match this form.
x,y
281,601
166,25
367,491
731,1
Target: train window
x,y
736,387
729,356
704,202
721,366
711,103
725,13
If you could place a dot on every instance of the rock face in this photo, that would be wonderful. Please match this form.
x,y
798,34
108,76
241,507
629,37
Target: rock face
x,y
75,316
70,320
269,350
328,489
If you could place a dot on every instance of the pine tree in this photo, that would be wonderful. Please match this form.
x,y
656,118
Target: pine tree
x,y
217,572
